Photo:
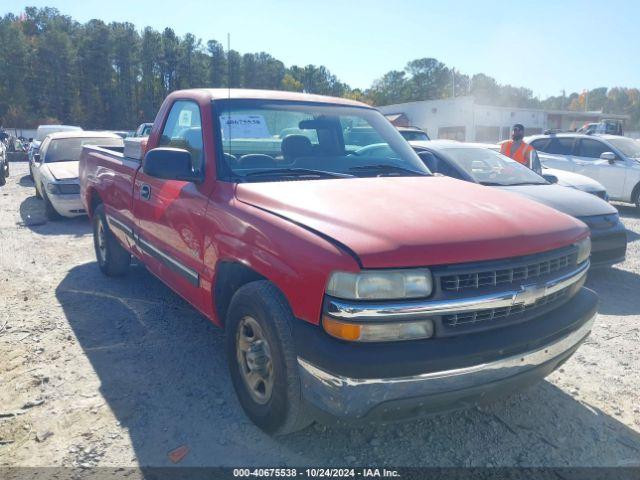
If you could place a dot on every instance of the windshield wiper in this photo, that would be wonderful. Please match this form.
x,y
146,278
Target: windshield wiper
x,y
523,183
386,168
300,172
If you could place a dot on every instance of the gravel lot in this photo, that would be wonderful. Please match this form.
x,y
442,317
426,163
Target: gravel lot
x,y
120,372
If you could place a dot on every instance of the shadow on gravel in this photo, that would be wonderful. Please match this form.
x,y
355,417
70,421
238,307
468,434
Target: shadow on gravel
x,y
25,181
33,217
618,290
163,373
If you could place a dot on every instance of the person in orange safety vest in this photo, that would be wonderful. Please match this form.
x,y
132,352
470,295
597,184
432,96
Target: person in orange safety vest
x,y
518,150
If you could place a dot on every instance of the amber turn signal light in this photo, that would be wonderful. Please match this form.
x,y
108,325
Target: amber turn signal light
x,y
341,330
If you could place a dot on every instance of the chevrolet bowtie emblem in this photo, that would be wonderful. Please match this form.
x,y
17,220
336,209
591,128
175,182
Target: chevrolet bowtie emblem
x,y
529,294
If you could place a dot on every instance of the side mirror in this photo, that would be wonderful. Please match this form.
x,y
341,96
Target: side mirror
x,y
550,178
36,157
169,164
609,157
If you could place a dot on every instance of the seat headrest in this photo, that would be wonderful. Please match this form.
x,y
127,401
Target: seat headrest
x,y
295,146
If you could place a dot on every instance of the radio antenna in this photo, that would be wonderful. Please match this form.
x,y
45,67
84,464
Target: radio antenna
x,y
228,92
229,64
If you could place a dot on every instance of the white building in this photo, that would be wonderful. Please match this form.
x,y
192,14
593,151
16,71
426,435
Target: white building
x,y
461,118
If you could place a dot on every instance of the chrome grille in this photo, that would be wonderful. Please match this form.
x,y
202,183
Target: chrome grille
x,y
490,314
492,278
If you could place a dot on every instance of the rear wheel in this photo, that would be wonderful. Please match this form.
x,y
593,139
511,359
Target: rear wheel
x,y
113,259
262,359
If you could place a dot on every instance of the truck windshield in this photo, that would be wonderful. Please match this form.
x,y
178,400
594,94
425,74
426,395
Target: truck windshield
x,y
492,168
280,140
69,149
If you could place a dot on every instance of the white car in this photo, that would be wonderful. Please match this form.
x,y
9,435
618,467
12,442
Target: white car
x,y
55,170
562,177
612,160
575,180
41,134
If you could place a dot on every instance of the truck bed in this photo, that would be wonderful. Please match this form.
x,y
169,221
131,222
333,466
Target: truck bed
x,y
107,176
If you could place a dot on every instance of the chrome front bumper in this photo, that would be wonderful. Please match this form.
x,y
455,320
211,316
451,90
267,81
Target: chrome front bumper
x,y
354,398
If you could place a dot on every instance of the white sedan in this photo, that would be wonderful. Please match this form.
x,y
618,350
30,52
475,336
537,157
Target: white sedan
x,y
55,170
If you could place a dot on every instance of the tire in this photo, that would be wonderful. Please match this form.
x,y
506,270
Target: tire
x,y
49,211
280,409
3,180
113,259
637,199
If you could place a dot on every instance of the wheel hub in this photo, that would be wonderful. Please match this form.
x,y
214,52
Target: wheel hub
x,y
254,360
102,241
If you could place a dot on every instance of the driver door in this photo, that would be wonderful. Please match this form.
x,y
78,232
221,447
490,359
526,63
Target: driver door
x,y
587,162
42,152
170,212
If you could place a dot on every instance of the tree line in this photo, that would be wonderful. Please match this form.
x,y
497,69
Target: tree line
x,y
54,69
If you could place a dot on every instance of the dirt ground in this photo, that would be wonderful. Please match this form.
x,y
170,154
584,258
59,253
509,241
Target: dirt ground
x,y
97,371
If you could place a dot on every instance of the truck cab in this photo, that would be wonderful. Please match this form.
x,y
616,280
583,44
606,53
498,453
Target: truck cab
x,y
351,284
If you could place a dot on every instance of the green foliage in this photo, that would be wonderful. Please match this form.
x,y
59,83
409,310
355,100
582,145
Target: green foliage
x,y
113,76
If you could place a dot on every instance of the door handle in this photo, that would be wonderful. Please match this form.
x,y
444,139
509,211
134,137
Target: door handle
x,y
145,192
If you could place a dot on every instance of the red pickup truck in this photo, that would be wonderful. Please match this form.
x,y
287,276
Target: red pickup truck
x,y
351,282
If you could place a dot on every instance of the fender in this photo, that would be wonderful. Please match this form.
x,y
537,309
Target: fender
x,y
295,259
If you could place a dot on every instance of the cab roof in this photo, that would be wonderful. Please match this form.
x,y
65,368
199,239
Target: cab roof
x,y
242,93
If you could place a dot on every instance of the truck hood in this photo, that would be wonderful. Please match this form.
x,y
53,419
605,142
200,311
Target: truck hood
x,y
416,221
64,170
574,180
567,200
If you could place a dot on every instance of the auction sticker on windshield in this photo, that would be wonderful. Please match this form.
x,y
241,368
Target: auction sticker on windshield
x,y
244,126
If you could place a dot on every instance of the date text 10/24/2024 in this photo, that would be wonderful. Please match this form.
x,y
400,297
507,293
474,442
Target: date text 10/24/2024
x,y
316,472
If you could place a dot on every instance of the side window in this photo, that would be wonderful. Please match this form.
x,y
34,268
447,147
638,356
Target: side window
x,y
437,165
540,144
43,149
591,148
183,129
559,146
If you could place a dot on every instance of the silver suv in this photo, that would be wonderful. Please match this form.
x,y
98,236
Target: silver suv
x,y
612,160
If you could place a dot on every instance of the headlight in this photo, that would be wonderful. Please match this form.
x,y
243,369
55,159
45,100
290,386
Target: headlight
x,y
381,284
378,332
63,188
53,189
584,249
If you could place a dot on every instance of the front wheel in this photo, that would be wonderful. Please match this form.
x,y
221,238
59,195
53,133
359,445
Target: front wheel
x,y
113,259
49,210
262,359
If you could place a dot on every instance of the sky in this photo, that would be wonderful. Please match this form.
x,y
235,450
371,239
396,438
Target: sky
x,y
545,45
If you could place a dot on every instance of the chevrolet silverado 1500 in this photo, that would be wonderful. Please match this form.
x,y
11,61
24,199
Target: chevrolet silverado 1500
x,y
349,286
